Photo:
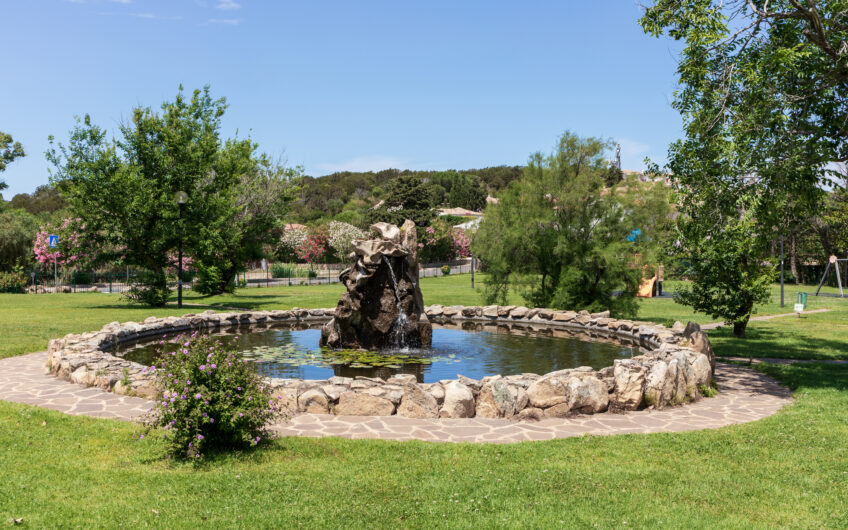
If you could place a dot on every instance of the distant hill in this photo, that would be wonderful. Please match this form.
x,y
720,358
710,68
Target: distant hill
x,y
328,196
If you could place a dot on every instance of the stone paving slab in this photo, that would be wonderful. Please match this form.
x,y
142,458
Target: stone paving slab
x,y
745,395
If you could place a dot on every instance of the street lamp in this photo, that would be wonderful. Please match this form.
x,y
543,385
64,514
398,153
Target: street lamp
x,y
181,197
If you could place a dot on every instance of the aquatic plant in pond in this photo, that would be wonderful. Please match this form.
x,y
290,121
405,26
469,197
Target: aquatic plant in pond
x,y
210,396
291,355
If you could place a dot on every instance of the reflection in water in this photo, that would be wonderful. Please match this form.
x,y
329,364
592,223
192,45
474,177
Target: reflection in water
x,y
472,350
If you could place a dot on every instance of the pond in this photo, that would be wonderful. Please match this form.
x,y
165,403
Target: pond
x,y
473,351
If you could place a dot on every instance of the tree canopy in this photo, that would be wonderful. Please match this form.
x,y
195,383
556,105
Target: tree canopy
x,y
764,94
123,189
559,236
9,151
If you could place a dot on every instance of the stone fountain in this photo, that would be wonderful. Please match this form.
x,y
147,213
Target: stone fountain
x,y
383,306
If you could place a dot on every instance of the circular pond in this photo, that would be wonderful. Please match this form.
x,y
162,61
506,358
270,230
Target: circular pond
x,y
473,351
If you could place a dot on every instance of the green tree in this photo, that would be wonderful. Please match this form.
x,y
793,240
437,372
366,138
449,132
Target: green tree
x,y
17,232
467,192
123,189
9,151
764,93
45,199
558,238
407,197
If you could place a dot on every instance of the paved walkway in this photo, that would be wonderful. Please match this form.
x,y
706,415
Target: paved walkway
x,y
716,325
775,360
746,395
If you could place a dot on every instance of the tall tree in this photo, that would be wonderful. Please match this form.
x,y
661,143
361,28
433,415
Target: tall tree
x,y
9,151
763,96
558,237
407,197
123,189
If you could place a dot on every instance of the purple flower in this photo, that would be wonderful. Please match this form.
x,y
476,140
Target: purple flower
x,y
197,396
214,366
241,414
199,436
202,367
211,420
238,388
173,422
142,437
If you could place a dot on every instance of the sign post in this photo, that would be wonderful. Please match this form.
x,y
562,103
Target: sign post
x,y
53,242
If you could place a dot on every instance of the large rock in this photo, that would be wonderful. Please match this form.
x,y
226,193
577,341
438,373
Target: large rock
x,y
459,401
701,344
495,400
546,392
417,403
655,382
358,404
382,306
629,384
701,371
586,393
314,401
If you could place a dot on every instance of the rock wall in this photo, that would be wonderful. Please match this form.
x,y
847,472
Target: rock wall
x,y
675,365
382,306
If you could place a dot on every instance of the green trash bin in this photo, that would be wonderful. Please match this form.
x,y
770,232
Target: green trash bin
x,y
801,302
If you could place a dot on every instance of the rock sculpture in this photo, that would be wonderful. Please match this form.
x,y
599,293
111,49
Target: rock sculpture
x,y
383,306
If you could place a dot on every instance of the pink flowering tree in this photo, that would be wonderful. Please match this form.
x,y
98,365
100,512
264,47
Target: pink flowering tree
x,y
313,247
461,243
70,249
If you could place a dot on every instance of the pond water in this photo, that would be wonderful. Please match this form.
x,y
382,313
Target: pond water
x,y
287,352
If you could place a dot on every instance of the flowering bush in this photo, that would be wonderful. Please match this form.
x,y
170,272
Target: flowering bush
x,y
70,239
461,243
174,264
313,248
289,242
341,236
211,398
445,270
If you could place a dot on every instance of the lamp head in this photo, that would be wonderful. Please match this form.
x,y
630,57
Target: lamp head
x,y
181,197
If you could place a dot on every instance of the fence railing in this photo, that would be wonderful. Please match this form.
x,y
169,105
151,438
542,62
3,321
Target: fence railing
x,y
121,280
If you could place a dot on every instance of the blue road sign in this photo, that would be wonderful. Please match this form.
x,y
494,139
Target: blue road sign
x,y
53,241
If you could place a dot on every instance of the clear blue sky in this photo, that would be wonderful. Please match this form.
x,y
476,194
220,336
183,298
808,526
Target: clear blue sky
x,y
347,84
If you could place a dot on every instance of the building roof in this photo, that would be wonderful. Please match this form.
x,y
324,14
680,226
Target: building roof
x,y
459,212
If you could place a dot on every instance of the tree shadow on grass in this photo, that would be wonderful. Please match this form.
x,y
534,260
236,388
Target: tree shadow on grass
x,y
808,375
780,344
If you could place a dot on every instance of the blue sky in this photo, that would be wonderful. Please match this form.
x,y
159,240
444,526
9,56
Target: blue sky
x,y
355,85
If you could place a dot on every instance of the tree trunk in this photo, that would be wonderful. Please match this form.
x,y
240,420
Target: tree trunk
x,y
793,258
739,329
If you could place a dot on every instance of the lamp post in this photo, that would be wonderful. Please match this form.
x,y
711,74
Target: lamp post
x,y
181,197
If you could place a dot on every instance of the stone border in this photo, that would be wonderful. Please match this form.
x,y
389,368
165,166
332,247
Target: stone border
x,y
677,364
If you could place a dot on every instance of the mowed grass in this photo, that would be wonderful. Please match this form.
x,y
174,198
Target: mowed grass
x,y
789,470
28,322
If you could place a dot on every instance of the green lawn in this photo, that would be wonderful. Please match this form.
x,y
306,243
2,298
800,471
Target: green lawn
x,y
787,470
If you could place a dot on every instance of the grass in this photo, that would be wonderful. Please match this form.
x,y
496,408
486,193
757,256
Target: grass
x,y
28,322
790,469
787,470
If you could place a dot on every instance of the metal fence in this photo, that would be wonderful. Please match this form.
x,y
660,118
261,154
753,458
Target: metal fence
x,y
273,275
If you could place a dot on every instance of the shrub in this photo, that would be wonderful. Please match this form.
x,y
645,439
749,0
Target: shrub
x,y
210,280
311,273
278,270
13,282
445,270
211,398
149,288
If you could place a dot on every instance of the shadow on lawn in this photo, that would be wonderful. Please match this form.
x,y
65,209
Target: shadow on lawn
x,y
808,375
768,342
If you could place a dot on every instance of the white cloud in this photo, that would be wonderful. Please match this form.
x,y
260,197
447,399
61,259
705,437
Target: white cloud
x,y
227,5
363,163
228,21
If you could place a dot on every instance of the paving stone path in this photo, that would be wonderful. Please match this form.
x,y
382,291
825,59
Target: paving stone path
x,y
746,395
